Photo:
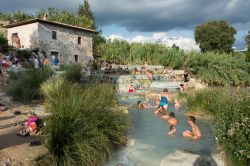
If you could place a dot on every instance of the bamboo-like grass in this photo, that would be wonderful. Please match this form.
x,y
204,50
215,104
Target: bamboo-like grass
x,y
26,85
83,128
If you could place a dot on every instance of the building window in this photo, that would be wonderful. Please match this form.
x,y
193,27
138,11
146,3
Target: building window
x,y
76,58
79,41
54,35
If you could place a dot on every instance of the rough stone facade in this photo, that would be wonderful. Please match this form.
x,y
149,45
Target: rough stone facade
x,y
66,43
66,46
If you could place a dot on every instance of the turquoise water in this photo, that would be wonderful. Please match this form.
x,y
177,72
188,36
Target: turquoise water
x,y
149,143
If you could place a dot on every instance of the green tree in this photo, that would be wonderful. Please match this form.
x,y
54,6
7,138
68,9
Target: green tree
x,y
3,43
85,10
215,36
97,40
248,47
66,17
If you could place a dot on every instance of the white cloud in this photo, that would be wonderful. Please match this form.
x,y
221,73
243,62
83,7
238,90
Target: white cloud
x,y
184,43
140,39
159,35
116,37
162,38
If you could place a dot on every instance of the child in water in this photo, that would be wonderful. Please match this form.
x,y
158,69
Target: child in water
x,y
164,99
172,130
177,104
144,104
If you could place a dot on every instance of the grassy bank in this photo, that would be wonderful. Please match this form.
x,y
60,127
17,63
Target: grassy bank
x,y
231,119
82,129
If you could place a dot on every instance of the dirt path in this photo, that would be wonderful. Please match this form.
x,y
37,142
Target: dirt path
x,y
15,150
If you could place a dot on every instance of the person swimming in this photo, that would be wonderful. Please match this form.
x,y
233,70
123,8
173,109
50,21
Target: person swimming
x,y
144,104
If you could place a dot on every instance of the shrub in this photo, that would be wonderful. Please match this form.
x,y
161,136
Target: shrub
x,y
26,65
83,130
26,85
3,43
73,73
23,54
231,124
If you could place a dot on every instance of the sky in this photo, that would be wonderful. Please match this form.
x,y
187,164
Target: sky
x,y
160,21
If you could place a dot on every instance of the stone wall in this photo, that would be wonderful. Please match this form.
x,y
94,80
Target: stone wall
x,y
66,43
26,33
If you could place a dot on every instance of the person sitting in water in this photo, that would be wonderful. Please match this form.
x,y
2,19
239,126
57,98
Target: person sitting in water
x,y
149,75
131,89
186,77
172,130
177,104
157,100
163,101
140,87
183,87
195,133
142,105
165,114
145,104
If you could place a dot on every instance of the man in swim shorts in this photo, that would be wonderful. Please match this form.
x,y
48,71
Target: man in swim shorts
x,y
195,133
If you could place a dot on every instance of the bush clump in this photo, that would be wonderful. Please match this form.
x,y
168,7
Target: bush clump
x,y
72,73
26,85
231,122
83,129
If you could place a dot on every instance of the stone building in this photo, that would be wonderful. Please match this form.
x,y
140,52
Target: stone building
x,y
67,43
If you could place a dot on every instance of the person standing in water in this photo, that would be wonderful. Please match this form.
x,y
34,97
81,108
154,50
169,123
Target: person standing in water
x,y
195,133
131,88
163,101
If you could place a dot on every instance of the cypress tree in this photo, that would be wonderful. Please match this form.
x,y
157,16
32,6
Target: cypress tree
x,y
85,11
248,47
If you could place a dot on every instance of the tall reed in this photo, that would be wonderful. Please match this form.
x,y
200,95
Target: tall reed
x,y
26,85
83,129
72,72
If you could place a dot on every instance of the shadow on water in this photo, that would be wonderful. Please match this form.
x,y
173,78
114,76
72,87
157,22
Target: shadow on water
x,y
205,161
205,157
